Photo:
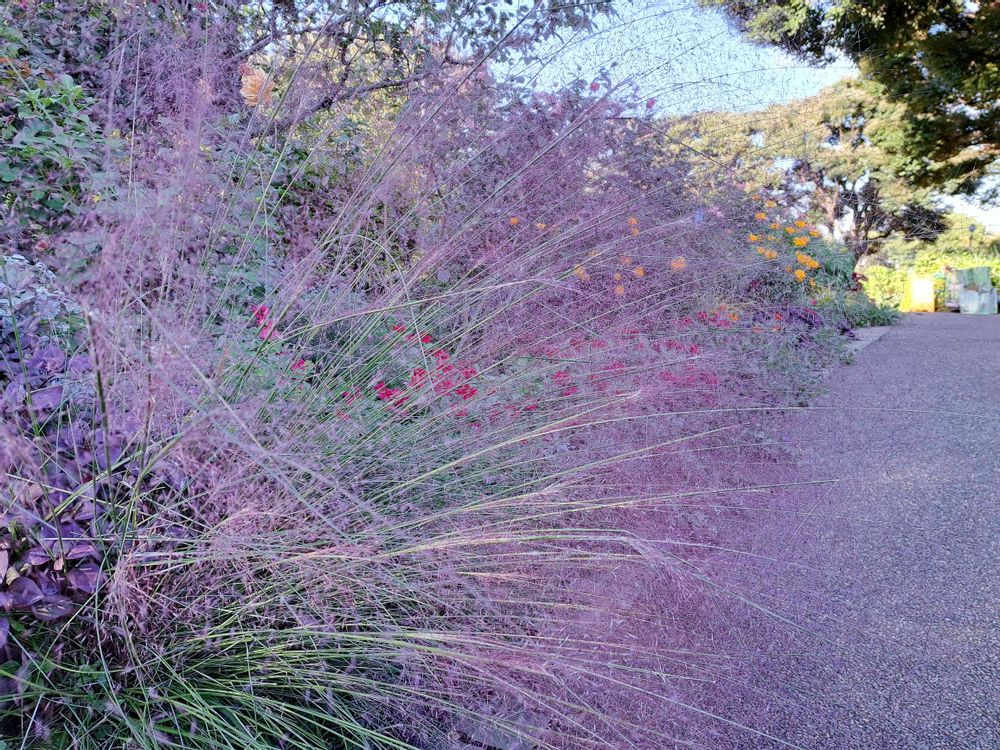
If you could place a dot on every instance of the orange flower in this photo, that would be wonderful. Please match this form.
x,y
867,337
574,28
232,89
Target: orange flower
x,y
814,233
760,216
639,271
678,263
581,273
775,225
540,226
255,88
790,230
753,238
800,224
632,221
626,260
770,204
619,289
800,241
755,197
634,231
618,277
800,275
514,221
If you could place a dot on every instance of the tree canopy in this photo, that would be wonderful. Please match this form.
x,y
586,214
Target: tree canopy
x,y
938,58
835,156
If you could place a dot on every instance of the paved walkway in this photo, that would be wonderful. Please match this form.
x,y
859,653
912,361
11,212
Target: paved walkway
x,y
892,569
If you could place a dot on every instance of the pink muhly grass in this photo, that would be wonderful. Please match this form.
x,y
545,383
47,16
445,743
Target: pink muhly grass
x,y
423,476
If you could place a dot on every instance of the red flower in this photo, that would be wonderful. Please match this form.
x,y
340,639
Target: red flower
x,y
418,378
440,355
560,376
267,331
399,328
426,338
693,349
469,372
570,391
300,364
466,391
260,314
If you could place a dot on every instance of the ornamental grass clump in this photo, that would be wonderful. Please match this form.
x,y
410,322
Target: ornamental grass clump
x,y
395,395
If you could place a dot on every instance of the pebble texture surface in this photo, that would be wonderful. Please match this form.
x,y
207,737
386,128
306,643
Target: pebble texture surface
x,y
891,571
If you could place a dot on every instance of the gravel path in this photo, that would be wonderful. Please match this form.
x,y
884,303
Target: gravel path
x,y
892,567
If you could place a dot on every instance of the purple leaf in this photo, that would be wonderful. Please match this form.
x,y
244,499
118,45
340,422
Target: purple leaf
x,y
80,551
85,576
25,592
37,556
4,631
47,398
13,394
79,364
53,608
53,358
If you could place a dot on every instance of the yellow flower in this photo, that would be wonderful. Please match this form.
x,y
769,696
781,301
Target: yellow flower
x,y
814,233
770,204
678,263
255,88
618,277
772,254
540,226
639,271
790,230
800,241
619,289
760,216
753,238
775,225
800,275
514,221
581,273
761,250
800,224
812,283
632,221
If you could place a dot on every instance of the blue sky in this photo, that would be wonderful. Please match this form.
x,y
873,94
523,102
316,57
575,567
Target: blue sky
x,y
686,57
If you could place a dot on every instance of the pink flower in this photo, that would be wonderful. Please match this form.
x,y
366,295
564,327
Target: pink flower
x,y
260,314
267,331
399,328
469,372
595,86
693,349
300,364
650,103
426,338
570,391
466,392
560,376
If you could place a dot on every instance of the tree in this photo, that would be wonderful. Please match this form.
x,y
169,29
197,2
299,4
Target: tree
x,y
938,58
832,155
